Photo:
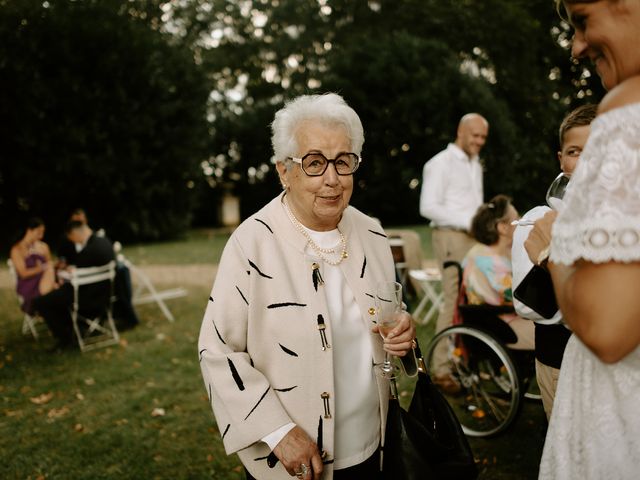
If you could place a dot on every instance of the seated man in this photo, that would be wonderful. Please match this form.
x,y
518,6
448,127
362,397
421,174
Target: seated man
x,y
123,311
487,274
54,307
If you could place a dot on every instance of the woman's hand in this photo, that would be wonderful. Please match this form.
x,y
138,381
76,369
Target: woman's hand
x,y
540,236
400,340
296,449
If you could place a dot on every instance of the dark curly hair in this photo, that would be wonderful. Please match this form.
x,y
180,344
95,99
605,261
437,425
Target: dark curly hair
x,y
484,225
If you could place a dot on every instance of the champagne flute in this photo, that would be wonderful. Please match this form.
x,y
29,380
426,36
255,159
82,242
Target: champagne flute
x,y
554,197
556,191
388,310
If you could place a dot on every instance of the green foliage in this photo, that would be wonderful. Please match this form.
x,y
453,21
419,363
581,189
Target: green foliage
x,y
100,111
105,100
410,69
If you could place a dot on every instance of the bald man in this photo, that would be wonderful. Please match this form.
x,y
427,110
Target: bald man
x,y
451,193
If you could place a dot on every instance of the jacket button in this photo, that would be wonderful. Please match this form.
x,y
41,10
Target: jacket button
x,y
372,311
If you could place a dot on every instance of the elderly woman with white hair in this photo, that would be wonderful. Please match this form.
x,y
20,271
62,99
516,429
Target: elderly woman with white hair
x,y
287,347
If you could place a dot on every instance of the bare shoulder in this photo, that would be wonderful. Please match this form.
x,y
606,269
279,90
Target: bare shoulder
x,y
44,247
626,93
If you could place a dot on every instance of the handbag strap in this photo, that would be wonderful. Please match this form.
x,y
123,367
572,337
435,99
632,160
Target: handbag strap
x,y
422,368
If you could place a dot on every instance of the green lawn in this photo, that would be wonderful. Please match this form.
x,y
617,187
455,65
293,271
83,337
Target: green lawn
x,y
139,410
205,246
97,415
198,246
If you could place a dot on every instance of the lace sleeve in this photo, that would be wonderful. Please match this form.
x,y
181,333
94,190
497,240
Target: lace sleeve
x,y
601,218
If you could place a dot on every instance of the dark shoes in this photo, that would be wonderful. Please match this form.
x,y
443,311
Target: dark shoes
x,y
62,345
124,326
447,384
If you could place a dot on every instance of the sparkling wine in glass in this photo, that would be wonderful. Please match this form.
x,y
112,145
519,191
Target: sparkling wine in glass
x,y
388,312
556,191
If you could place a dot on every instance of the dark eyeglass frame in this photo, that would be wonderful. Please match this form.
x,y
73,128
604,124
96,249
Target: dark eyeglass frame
x,y
329,160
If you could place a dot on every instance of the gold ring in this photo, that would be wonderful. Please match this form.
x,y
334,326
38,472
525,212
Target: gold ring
x,y
303,471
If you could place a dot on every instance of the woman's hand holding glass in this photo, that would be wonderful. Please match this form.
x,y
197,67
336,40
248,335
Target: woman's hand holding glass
x,y
394,324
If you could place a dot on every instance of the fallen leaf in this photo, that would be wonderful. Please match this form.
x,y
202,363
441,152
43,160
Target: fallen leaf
x,y
209,458
158,412
13,413
42,399
58,412
89,381
79,396
78,427
124,342
122,421
160,336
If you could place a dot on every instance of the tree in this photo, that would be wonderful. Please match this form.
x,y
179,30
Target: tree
x,y
410,68
100,111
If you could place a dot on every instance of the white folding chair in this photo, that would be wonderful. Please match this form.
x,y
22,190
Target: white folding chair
x,y
429,280
397,245
31,323
145,292
93,324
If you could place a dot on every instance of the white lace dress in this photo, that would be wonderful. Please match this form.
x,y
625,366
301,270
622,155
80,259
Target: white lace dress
x,y
594,431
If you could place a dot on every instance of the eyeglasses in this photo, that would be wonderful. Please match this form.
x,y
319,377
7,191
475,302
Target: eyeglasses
x,y
315,164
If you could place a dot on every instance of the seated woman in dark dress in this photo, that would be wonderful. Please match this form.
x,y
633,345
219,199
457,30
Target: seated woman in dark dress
x,y
31,259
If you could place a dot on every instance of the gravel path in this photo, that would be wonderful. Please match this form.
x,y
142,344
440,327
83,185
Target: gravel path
x,y
165,275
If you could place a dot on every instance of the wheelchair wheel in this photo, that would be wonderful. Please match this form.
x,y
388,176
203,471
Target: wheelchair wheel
x,y
490,393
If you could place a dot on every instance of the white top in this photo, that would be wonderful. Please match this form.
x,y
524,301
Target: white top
x,y
357,436
601,218
521,265
594,431
451,188
357,409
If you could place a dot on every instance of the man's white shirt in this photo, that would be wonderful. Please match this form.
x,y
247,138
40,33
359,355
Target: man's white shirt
x,y
451,188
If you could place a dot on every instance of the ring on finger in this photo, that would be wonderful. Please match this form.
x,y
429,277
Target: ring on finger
x,y
303,471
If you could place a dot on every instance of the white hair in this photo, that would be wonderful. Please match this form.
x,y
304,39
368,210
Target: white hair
x,y
328,109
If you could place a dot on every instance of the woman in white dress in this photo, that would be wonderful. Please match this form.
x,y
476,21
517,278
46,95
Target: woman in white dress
x,y
594,431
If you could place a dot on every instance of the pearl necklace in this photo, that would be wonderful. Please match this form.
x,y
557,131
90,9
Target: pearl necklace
x,y
317,248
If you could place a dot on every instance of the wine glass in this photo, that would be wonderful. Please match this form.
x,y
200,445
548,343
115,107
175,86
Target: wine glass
x,y
556,191
388,310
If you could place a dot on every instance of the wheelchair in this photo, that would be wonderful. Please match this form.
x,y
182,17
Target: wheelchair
x,y
493,378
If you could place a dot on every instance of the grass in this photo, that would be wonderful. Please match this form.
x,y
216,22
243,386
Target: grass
x,y
137,411
140,411
205,246
197,247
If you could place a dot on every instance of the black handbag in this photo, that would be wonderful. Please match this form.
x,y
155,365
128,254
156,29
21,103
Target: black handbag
x,y
427,441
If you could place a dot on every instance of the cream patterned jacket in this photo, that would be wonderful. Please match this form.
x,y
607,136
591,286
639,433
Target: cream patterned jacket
x,y
265,340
